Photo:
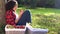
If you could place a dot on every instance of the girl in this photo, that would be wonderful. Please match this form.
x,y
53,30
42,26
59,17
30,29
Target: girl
x,y
12,18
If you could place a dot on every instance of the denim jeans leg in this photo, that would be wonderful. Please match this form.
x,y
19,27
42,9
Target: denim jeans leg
x,y
26,17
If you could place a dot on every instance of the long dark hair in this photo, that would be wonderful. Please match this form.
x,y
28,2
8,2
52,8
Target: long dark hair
x,y
10,5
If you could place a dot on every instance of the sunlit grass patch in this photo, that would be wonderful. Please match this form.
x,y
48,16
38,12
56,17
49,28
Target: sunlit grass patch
x,y
46,18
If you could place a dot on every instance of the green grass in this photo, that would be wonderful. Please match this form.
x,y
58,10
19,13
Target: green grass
x,y
46,18
42,10
45,10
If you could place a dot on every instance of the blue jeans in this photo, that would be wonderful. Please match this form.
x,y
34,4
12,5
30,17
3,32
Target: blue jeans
x,y
26,18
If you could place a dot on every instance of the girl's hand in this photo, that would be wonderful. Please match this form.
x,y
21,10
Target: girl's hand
x,y
21,12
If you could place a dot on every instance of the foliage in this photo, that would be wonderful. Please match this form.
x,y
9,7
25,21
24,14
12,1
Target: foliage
x,y
50,3
36,3
2,28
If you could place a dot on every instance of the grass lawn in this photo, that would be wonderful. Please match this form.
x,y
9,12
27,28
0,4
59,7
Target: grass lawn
x,y
42,10
46,18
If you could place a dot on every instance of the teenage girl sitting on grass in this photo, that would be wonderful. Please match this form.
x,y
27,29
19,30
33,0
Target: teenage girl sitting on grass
x,y
14,19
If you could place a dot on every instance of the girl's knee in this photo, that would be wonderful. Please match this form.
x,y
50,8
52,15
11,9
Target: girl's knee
x,y
27,11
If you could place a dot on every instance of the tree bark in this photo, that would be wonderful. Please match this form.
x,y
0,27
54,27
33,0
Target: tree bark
x,y
2,11
2,16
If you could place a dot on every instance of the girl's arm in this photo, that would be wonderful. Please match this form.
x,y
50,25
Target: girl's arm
x,y
21,12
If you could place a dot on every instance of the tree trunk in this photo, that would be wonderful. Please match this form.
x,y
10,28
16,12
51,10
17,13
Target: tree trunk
x,y
2,11
2,16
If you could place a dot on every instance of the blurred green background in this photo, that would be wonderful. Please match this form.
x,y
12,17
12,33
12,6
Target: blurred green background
x,y
46,18
44,14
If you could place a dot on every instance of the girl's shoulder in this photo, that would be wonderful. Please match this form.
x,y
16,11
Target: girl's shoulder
x,y
9,11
